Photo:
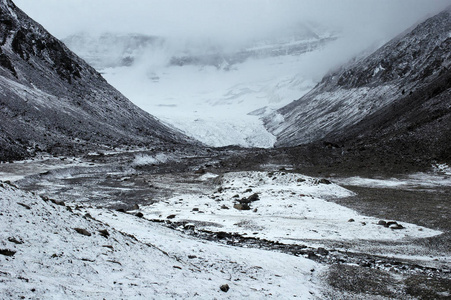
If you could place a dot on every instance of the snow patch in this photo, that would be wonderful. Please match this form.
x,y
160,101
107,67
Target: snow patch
x,y
291,208
49,252
145,160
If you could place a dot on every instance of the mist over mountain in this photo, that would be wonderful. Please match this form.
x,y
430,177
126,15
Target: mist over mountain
x,y
52,101
397,97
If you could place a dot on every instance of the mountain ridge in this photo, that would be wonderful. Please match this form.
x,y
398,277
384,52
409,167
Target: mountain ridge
x,y
52,101
404,66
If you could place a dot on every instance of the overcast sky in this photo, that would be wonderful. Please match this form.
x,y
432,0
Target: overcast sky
x,y
228,20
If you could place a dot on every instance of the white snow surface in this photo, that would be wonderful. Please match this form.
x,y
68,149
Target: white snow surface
x,y
439,177
213,104
137,260
292,208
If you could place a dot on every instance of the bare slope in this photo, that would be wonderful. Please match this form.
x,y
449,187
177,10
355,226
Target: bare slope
x,y
52,101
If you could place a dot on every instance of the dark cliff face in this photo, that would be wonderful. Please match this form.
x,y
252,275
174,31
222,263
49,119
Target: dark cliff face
x,y
52,101
396,96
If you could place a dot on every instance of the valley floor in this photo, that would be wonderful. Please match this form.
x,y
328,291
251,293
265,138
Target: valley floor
x,y
145,224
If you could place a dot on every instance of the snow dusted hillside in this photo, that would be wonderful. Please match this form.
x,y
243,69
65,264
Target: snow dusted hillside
x,y
414,65
214,94
52,101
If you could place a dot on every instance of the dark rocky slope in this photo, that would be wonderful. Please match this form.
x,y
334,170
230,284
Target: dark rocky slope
x,y
395,102
52,101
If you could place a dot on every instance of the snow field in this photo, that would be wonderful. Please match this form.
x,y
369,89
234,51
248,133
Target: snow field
x,y
292,208
132,259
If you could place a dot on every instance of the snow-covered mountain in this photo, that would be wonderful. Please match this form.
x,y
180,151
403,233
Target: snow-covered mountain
x,y
402,89
52,101
211,91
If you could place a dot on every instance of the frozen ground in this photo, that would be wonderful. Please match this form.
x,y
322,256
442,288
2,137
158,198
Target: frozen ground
x,y
291,208
286,245
48,251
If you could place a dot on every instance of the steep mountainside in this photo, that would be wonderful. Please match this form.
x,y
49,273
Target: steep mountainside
x,y
52,101
401,89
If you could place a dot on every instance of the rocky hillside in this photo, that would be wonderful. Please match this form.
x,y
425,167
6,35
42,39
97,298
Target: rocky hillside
x,y
52,101
396,96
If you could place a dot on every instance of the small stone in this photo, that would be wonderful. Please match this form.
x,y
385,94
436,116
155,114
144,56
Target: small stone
x,y
253,197
192,256
139,214
222,235
388,224
351,220
24,205
382,223
195,209
241,206
82,231
224,206
225,288
322,251
397,227
15,241
7,252
104,233
170,217
255,210
324,181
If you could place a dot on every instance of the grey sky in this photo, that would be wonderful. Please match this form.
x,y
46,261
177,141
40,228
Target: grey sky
x,y
228,20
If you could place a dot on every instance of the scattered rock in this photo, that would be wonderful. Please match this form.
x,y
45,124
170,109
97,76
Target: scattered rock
x,y
120,210
24,205
388,224
322,251
241,206
382,223
253,197
82,231
139,215
192,256
236,196
300,180
255,210
60,203
324,181
222,235
225,288
88,216
104,233
200,171
7,252
397,226
224,206
170,217
248,191
177,267
15,241
195,209
351,220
